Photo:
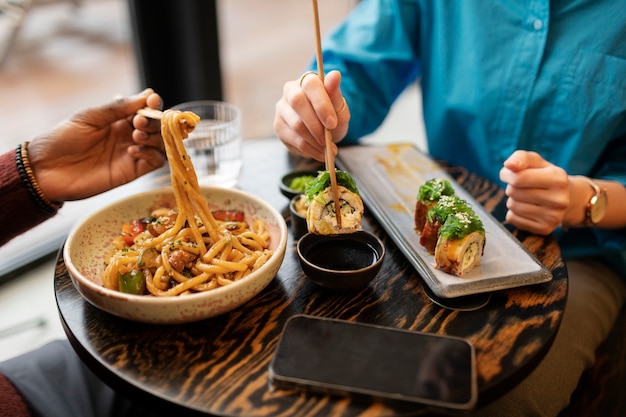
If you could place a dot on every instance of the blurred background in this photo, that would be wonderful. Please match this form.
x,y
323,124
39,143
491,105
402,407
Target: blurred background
x,y
60,55
67,54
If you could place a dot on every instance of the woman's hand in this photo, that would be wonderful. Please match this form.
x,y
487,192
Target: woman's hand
x,y
538,192
306,109
98,148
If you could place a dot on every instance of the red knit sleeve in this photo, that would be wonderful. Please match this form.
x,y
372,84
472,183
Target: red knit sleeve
x,y
11,402
20,211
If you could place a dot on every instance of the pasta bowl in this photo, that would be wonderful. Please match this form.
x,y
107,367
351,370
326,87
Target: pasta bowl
x,y
91,240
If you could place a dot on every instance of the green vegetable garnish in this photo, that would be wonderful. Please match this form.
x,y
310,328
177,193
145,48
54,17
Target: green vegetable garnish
x,y
446,206
433,189
322,181
299,183
459,225
132,282
456,216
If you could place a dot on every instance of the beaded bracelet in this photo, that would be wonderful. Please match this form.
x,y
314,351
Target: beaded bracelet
x,y
29,180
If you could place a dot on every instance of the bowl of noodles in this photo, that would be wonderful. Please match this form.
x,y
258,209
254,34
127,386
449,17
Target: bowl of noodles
x,y
240,246
177,254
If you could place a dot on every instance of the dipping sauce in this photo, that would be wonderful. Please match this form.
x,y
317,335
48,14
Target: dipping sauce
x,y
341,262
342,254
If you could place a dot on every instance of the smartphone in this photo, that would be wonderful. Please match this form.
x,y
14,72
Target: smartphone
x,y
344,357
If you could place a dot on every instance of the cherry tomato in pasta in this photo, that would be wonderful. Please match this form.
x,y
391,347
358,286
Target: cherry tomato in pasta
x,y
229,215
130,231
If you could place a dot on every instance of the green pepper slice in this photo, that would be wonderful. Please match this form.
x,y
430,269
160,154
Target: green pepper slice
x,y
132,282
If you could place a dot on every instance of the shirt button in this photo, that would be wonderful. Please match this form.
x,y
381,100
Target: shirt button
x,y
537,24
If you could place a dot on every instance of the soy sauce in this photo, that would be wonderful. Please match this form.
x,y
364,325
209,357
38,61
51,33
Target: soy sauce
x,y
342,255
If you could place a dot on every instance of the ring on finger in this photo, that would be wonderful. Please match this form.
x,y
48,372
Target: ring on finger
x,y
343,107
303,76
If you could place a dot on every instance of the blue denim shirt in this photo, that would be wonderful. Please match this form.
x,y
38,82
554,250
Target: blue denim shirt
x,y
496,76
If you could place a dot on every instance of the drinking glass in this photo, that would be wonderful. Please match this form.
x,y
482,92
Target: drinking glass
x,y
215,145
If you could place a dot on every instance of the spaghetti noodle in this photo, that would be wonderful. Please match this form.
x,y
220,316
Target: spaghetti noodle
x,y
186,250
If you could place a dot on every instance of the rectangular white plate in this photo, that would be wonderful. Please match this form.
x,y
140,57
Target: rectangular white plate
x,y
389,177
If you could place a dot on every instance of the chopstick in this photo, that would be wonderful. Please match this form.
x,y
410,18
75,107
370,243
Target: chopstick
x,y
328,156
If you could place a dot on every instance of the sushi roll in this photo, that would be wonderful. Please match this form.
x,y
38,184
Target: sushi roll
x,y
321,217
436,217
454,234
428,194
461,243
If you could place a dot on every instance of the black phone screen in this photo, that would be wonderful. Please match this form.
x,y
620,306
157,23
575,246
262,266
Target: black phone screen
x,y
348,357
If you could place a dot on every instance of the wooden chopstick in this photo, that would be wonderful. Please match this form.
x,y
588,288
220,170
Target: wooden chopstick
x,y
328,155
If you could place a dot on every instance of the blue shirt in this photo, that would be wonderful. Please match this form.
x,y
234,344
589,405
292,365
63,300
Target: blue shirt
x,y
496,76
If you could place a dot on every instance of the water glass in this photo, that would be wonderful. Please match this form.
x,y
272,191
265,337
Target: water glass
x,y
215,145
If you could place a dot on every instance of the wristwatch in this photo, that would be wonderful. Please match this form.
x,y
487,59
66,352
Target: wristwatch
x,y
596,207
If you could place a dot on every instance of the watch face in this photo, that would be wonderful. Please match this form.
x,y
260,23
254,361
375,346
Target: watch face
x,y
598,207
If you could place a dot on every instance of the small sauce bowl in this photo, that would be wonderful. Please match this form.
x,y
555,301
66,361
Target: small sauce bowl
x,y
299,226
285,182
346,262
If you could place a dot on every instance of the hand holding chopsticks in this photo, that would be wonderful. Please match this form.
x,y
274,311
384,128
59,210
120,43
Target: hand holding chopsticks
x,y
329,157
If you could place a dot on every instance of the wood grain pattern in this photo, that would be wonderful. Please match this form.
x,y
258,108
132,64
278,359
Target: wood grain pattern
x,y
220,366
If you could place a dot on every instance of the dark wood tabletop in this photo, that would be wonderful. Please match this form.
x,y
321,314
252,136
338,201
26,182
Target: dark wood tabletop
x,y
219,366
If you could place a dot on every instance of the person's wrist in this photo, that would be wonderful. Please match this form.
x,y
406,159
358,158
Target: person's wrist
x,y
580,194
30,182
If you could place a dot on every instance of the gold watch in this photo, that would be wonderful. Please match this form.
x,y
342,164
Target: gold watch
x,y
596,207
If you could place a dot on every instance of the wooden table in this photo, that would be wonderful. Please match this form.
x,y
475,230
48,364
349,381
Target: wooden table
x,y
220,366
